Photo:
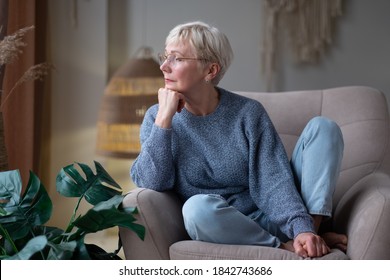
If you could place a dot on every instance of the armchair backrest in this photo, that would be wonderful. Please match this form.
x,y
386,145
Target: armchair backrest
x,y
361,112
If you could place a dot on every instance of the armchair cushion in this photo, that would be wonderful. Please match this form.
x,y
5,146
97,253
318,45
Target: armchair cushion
x,y
363,214
160,213
197,250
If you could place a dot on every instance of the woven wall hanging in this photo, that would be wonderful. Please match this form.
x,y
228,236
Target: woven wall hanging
x,y
307,28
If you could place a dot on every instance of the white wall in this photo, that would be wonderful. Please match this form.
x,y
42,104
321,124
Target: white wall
x,y
109,32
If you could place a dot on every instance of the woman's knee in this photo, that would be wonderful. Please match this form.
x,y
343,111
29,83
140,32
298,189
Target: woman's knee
x,y
327,128
201,206
200,216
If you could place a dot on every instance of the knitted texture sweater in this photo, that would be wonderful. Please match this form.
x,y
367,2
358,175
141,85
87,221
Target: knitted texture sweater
x,y
234,152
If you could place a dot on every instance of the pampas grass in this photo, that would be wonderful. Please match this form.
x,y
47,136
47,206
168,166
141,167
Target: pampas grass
x,y
11,46
10,49
36,72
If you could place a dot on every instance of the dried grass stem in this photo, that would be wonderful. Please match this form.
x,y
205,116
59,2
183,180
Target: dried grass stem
x,y
35,72
11,46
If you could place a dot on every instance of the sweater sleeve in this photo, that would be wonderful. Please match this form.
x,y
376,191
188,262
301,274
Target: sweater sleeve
x,y
271,181
154,168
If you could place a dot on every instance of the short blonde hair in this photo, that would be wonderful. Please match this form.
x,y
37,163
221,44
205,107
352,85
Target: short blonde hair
x,y
208,42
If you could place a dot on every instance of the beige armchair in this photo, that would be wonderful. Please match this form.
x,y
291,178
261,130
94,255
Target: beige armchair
x,y
361,202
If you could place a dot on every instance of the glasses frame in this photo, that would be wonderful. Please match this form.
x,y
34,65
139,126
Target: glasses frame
x,y
172,59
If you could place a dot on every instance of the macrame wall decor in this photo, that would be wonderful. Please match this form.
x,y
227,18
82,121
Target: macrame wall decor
x,y
307,25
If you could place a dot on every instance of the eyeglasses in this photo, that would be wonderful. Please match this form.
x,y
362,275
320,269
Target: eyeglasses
x,y
173,60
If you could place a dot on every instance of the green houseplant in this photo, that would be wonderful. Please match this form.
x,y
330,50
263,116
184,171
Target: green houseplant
x,y
23,216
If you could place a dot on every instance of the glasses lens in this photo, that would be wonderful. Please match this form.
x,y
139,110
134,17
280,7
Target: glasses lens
x,y
161,58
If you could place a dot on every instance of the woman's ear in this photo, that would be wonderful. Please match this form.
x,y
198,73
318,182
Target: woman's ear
x,y
213,70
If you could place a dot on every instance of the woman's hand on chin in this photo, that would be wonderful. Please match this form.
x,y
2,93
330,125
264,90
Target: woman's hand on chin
x,y
170,102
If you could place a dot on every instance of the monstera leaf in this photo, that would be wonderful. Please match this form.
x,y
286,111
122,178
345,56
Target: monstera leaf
x,y
33,246
21,214
23,217
107,214
94,188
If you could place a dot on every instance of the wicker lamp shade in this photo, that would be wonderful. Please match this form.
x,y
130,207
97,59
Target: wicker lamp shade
x,y
130,92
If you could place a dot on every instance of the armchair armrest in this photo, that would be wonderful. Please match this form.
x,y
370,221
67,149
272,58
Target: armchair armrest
x,y
160,213
363,214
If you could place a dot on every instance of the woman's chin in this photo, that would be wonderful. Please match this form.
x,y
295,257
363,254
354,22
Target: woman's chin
x,y
172,87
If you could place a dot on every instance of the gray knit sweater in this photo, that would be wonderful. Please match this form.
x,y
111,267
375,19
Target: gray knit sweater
x,y
234,152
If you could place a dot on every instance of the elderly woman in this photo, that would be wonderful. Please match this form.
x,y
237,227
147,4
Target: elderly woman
x,y
222,155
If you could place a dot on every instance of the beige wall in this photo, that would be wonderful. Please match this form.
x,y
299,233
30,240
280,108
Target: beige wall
x,y
79,54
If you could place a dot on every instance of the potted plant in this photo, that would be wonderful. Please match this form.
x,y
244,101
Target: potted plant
x,y
23,216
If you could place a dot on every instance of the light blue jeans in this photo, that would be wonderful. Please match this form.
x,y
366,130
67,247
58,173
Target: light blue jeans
x,y
315,162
